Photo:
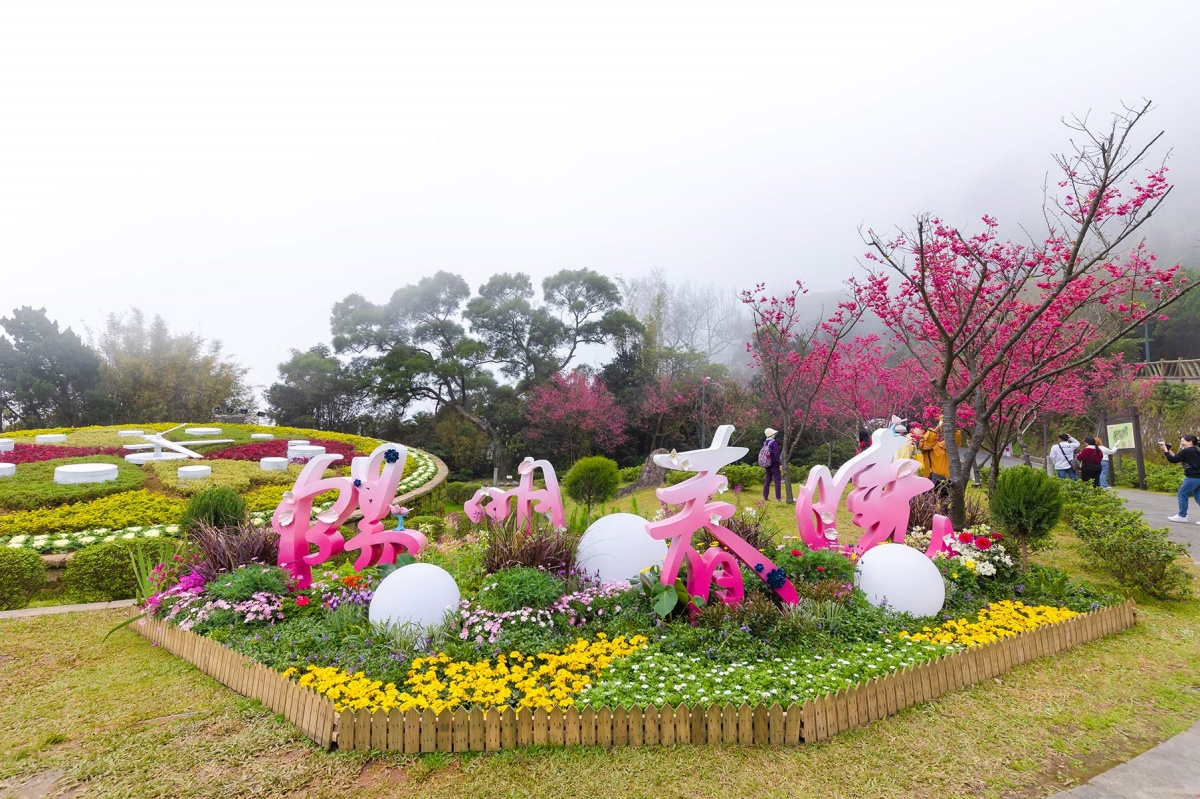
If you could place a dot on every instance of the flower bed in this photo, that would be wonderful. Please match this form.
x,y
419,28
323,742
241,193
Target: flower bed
x,y
33,485
33,453
59,544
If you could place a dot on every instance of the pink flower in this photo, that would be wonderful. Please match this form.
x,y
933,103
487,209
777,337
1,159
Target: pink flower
x,y
302,601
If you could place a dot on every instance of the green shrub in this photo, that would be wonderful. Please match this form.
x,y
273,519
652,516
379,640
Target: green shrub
x,y
744,474
513,589
33,485
433,527
215,507
1026,505
629,474
1159,476
130,509
105,572
22,574
592,481
460,493
243,583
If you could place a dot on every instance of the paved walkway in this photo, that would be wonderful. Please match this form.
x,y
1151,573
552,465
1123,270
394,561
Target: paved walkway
x,y
52,609
1170,770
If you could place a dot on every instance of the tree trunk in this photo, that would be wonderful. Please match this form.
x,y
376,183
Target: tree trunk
x,y
785,469
1024,449
959,474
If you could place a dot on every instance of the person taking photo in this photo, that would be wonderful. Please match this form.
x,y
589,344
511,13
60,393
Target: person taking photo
x,y
1189,456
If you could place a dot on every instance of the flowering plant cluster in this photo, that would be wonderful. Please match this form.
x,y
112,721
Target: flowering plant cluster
x,y
193,610
334,590
978,548
348,691
655,677
60,543
999,620
574,610
545,680
32,453
277,448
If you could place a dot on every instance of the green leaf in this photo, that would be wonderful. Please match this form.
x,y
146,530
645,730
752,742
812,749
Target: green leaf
x,y
665,603
699,601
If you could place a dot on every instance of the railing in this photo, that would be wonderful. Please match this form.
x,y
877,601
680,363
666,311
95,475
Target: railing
x,y
1181,370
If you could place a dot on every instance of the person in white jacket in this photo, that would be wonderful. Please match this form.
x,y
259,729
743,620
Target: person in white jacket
x,y
1062,455
1106,480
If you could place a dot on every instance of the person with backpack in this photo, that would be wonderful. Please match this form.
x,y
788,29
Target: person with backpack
x,y
1062,455
1091,462
768,458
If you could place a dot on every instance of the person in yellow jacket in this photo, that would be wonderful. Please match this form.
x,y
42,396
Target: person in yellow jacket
x,y
933,447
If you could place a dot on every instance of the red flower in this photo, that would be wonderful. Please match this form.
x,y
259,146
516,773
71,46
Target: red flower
x,y
820,568
983,542
796,552
966,538
997,537
302,601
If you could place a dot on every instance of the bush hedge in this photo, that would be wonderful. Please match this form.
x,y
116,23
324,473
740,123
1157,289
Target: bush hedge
x,y
1026,504
104,572
129,509
433,527
460,493
629,474
1163,477
215,507
22,575
33,485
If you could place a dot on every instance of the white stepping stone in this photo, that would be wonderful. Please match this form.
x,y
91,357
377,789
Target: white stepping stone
x,y
142,458
194,472
138,447
7,469
263,437
297,442
202,431
7,444
304,451
50,438
273,464
85,473
129,433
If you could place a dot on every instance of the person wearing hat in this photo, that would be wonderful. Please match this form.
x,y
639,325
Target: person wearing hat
x,y
768,458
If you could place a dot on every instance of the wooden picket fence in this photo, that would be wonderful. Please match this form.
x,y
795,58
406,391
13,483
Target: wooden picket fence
x,y
479,731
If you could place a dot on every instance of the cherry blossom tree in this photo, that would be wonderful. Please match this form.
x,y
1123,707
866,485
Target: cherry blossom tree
x,y
572,415
793,358
867,381
964,302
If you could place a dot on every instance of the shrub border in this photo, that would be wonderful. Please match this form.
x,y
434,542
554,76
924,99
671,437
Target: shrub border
x,y
816,720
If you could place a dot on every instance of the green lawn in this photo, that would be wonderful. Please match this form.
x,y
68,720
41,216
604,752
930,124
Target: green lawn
x,y
123,718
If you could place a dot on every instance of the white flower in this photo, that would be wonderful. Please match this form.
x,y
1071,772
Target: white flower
x,y
172,528
18,539
86,539
151,534
108,539
128,536
133,529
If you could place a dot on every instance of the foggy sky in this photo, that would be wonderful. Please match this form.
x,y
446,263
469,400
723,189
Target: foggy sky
x,y
239,167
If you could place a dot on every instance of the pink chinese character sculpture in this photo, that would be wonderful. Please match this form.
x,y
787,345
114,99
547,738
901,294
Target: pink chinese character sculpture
x,y
879,500
716,568
529,500
298,531
376,479
371,486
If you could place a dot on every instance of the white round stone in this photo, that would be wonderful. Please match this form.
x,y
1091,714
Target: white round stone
x,y
7,469
142,458
902,578
617,547
7,444
50,438
194,472
418,594
202,431
297,441
129,433
273,464
304,451
85,473
262,437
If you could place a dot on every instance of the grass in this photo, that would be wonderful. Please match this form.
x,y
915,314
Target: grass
x,y
126,719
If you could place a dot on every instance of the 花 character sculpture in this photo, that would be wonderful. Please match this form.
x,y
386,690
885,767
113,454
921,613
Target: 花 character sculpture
x,y
371,487
529,500
716,567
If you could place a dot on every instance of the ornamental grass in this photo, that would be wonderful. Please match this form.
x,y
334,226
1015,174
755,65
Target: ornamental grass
x,y
998,620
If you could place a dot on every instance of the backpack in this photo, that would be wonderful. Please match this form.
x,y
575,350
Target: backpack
x,y
764,454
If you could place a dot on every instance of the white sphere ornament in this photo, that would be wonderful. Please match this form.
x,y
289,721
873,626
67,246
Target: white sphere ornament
x,y
418,594
901,577
617,547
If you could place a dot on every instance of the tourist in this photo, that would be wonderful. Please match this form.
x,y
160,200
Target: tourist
x,y
937,460
908,448
864,440
1106,475
770,453
1091,461
1062,456
1189,456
